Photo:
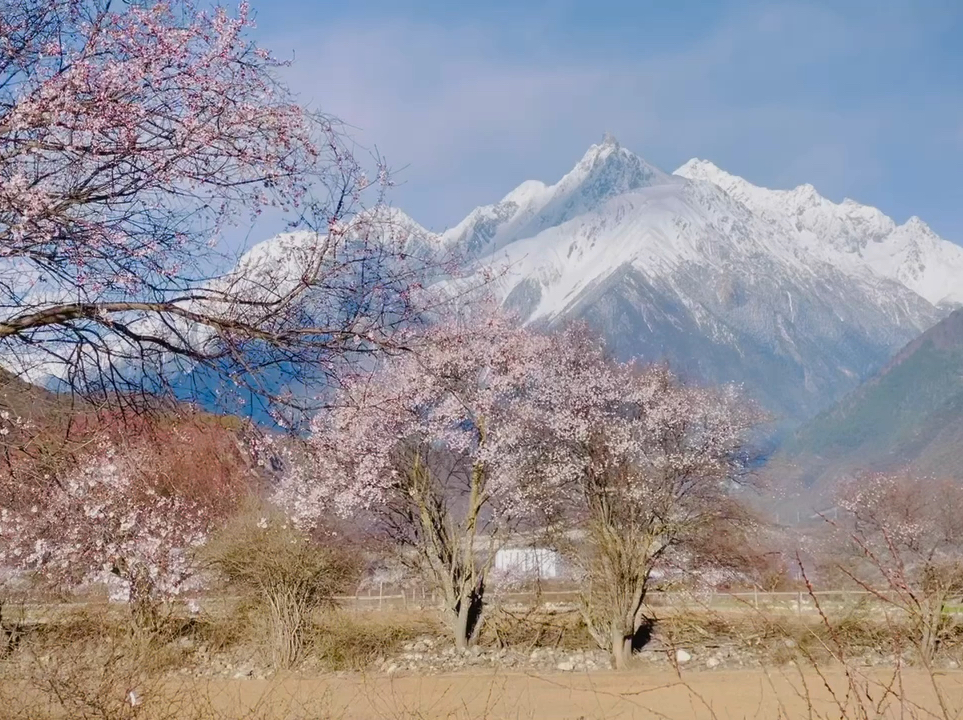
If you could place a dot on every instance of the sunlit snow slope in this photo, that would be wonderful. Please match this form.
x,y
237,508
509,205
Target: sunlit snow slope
x,y
794,296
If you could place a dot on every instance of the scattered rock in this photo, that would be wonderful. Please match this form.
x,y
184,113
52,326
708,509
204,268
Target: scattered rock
x,y
565,666
682,656
713,662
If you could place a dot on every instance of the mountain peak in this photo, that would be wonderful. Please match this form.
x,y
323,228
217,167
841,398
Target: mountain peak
x,y
699,168
601,151
806,194
917,224
608,169
605,171
707,171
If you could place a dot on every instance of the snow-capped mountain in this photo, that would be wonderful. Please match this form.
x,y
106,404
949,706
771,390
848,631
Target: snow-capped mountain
x,y
856,238
605,172
796,297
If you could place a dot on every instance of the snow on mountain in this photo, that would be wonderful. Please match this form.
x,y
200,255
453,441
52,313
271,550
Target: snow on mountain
x,y
607,170
278,264
856,238
794,296
713,275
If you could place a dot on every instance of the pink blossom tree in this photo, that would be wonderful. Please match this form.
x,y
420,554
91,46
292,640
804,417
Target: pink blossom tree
x,y
126,500
107,518
131,136
487,425
426,449
635,470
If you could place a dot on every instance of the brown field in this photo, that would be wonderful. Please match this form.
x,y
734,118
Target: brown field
x,y
730,694
780,661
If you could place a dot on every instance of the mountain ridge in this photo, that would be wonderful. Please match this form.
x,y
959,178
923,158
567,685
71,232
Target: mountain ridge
x,y
645,255
851,234
724,280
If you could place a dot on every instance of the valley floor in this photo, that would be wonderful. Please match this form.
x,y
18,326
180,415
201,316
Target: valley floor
x,y
782,693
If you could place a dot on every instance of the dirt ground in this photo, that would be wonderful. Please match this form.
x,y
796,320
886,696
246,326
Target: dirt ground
x,y
782,693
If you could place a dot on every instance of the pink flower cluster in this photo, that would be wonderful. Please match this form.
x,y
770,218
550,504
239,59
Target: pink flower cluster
x,y
454,395
544,419
102,519
126,129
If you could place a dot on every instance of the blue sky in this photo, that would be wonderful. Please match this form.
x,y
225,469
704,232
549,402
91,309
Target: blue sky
x,y
465,100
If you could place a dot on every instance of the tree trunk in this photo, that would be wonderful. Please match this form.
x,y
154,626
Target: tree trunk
x,y
931,623
467,617
288,615
621,649
144,605
624,628
461,627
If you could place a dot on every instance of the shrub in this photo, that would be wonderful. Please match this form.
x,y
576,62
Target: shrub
x,y
347,641
286,573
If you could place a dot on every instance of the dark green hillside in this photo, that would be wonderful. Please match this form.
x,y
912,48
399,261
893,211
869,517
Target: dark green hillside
x,y
910,415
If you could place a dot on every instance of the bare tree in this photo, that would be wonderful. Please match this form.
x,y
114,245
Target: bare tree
x,y
906,533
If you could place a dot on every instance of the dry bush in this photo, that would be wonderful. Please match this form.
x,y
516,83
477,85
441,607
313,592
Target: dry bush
x,y
355,641
223,632
89,665
773,638
537,627
863,694
904,535
85,666
77,633
842,661
285,574
12,626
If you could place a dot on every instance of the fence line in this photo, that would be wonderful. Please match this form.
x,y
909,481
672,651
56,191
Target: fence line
x,y
420,598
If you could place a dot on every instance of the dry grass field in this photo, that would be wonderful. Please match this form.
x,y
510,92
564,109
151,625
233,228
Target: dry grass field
x,y
398,664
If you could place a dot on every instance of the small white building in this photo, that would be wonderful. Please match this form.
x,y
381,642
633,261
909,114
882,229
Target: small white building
x,y
534,562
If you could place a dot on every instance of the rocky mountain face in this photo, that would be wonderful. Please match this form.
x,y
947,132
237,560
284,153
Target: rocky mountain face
x,y
794,296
